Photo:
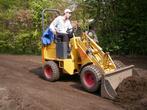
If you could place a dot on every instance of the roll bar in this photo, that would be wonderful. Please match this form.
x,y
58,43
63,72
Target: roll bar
x,y
57,12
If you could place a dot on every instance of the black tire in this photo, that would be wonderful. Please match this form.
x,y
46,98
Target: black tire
x,y
51,71
90,78
119,64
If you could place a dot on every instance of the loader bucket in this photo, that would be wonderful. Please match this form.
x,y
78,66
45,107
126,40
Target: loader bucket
x,y
112,80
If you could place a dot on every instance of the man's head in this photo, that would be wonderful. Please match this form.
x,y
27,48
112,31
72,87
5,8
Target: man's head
x,y
67,13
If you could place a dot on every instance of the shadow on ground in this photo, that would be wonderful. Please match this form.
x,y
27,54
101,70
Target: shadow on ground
x,y
74,79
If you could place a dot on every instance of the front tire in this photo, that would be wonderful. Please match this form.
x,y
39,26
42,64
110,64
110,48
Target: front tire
x,y
51,71
90,78
119,64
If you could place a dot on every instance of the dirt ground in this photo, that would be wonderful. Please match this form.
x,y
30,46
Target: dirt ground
x,y
21,88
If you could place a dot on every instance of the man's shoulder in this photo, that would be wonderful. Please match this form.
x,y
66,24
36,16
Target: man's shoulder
x,y
59,17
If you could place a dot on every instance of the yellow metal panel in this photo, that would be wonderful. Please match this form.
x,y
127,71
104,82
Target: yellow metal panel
x,y
43,60
50,51
69,66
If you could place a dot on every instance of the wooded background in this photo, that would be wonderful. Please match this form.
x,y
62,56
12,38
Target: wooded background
x,y
121,24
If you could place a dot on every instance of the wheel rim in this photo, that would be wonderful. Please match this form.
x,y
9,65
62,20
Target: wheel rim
x,y
48,72
89,79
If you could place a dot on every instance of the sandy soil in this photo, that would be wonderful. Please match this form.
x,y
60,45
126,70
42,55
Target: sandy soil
x,y
21,88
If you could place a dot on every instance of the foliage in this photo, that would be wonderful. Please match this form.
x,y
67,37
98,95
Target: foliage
x,y
121,24
20,25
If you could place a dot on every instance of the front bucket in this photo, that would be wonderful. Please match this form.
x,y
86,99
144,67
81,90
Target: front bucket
x,y
112,80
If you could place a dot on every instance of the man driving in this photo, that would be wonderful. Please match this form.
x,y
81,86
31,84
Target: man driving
x,y
60,25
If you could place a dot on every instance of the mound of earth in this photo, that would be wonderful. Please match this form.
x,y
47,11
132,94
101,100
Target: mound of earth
x,y
132,93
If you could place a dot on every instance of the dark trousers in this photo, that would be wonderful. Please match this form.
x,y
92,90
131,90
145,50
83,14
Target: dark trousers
x,y
63,38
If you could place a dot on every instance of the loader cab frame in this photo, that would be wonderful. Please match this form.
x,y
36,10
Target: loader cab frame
x,y
61,47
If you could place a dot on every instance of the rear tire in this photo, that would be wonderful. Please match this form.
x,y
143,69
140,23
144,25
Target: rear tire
x,y
51,71
90,78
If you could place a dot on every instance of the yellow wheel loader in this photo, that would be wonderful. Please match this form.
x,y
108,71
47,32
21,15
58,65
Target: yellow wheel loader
x,y
96,69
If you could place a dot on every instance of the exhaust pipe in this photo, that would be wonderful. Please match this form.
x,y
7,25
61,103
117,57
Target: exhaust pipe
x,y
112,80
